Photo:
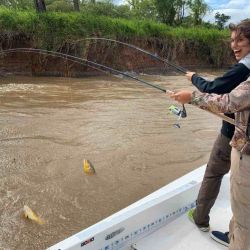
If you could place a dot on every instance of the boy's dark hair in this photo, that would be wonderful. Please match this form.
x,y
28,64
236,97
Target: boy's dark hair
x,y
242,28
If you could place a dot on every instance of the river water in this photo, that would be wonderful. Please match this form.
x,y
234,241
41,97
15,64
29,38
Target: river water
x,y
49,125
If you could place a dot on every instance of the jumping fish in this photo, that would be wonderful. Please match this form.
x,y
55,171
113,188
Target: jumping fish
x,y
29,214
88,168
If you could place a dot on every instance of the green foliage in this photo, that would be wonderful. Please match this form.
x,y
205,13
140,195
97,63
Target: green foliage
x,y
166,10
143,9
221,19
73,25
18,4
106,9
170,12
17,21
198,9
206,41
52,30
59,5
180,7
200,34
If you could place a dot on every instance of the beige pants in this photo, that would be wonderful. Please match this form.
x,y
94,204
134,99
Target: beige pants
x,y
240,201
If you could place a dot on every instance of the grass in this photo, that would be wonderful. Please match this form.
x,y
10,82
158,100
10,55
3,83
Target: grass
x,y
52,29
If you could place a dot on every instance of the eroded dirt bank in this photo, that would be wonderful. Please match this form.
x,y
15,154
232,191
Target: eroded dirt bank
x,y
187,54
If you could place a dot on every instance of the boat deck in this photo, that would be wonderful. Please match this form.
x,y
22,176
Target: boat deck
x,y
181,234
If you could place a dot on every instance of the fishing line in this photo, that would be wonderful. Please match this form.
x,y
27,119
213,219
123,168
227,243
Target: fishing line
x,y
101,67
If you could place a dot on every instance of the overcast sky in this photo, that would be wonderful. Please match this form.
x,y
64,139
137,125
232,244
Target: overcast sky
x,y
237,9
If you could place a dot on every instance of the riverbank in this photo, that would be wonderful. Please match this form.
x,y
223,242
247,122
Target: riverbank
x,y
65,32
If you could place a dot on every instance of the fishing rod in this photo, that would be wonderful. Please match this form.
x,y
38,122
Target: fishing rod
x,y
165,61
98,66
83,62
182,112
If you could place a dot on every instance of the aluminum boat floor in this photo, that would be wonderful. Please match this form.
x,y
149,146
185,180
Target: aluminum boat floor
x,y
181,234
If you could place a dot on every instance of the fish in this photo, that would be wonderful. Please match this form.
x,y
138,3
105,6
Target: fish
x,y
88,168
29,214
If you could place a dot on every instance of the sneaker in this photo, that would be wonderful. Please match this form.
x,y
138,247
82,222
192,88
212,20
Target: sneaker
x,y
203,228
220,237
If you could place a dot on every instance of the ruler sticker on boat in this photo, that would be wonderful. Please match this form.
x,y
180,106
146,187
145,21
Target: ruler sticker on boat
x,y
147,228
113,234
148,220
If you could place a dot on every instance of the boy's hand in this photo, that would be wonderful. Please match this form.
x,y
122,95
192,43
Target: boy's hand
x,y
189,75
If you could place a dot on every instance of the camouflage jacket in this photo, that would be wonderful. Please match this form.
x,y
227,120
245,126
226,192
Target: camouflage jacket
x,y
238,102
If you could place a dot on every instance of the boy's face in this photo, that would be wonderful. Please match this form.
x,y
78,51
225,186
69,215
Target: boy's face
x,y
240,45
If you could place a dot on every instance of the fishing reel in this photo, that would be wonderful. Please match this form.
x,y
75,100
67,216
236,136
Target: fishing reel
x,y
181,113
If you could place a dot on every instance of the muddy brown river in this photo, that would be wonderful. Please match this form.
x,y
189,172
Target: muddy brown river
x,y
49,125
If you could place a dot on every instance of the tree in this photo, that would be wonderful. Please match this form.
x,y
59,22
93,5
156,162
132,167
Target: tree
x,y
180,6
76,5
105,8
166,10
40,5
144,9
133,3
221,19
198,9
171,11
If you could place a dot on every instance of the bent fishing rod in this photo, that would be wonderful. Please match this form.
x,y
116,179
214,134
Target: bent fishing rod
x,y
82,61
165,61
102,67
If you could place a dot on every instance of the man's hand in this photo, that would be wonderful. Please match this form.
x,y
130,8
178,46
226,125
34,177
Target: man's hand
x,y
182,97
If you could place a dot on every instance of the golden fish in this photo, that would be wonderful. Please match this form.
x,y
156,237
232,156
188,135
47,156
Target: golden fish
x,y
29,214
88,167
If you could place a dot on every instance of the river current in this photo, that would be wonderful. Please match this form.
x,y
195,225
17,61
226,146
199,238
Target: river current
x,y
49,125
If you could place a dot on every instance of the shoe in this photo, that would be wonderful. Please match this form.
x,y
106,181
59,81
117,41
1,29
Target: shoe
x,y
203,228
220,237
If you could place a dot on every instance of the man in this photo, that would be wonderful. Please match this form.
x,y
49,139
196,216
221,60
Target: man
x,y
238,102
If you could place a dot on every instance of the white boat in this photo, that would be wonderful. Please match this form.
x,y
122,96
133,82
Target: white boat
x,y
157,222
